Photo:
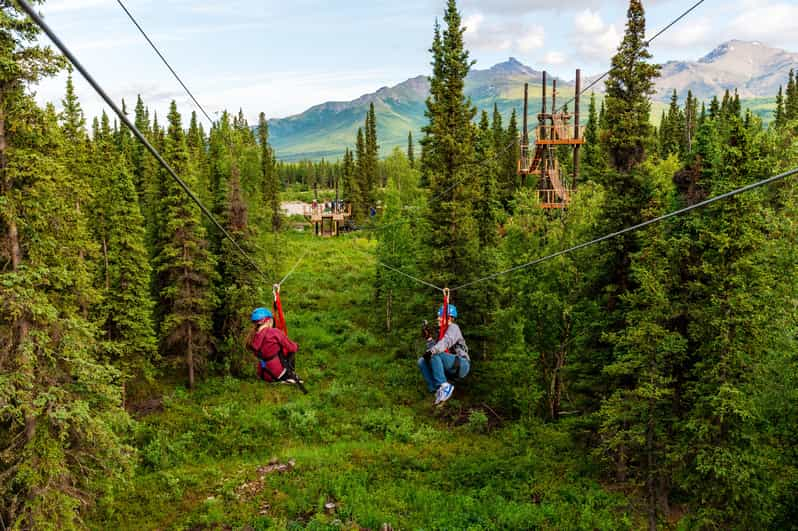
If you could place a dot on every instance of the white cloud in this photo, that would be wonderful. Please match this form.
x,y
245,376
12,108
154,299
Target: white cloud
x,y
532,41
697,32
502,34
523,7
592,37
555,58
588,21
774,23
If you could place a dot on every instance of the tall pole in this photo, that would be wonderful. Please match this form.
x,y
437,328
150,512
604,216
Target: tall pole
x,y
578,89
542,116
553,99
525,140
526,113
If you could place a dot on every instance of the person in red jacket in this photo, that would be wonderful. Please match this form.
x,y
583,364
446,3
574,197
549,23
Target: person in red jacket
x,y
273,349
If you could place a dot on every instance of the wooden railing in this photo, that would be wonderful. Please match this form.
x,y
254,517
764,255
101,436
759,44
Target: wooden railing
x,y
322,210
560,133
554,198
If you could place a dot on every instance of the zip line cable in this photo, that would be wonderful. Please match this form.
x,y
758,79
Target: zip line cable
x,y
141,30
610,236
411,277
499,152
291,272
637,227
61,46
649,41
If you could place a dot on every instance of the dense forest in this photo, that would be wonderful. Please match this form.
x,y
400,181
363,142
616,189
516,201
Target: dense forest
x,y
647,381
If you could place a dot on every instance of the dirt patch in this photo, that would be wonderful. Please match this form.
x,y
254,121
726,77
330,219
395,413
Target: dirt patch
x,y
146,407
251,489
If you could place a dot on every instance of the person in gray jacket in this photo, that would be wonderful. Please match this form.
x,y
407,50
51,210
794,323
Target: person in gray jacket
x,y
447,357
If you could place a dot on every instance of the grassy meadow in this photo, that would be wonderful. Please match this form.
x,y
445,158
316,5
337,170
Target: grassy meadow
x,y
363,449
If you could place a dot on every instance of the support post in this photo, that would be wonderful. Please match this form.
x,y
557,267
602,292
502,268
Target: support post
x,y
578,89
526,113
542,117
523,165
553,100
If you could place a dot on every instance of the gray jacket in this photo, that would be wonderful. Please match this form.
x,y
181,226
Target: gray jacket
x,y
453,341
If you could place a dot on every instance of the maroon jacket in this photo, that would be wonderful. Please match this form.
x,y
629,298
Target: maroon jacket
x,y
267,343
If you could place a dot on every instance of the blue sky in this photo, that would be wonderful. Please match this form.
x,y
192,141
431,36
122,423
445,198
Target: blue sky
x,y
282,57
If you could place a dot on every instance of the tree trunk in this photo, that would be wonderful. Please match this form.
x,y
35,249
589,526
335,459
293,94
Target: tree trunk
x,y
190,359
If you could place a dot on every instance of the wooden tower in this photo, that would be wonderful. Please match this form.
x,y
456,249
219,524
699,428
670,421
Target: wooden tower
x,y
554,129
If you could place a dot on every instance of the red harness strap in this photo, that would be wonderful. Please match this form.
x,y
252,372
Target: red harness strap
x,y
445,321
279,316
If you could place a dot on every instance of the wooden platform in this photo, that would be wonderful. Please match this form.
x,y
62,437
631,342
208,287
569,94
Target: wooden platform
x,y
327,221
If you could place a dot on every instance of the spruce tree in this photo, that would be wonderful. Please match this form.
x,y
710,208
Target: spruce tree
x,y
453,236
271,181
60,412
184,264
509,180
125,313
791,101
348,184
629,87
411,151
371,162
360,182
593,162
627,188
237,289
672,131
691,123
779,116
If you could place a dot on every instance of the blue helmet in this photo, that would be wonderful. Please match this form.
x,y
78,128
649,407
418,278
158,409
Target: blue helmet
x,y
452,311
259,314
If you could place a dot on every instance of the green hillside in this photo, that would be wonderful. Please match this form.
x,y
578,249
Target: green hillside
x,y
326,130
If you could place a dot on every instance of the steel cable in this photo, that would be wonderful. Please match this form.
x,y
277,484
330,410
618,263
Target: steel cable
x,y
61,46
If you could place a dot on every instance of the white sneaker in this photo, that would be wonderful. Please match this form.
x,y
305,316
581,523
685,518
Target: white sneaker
x,y
444,393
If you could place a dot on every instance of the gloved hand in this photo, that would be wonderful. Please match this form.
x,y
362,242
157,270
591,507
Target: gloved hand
x,y
428,355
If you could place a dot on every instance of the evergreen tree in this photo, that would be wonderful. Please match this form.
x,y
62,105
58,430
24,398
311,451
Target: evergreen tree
x,y
593,163
627,188
629,86
411,152
348,184
236,286
271,181
371,161
60,415
779,116
508,148
791,101
125,313
714,108
184,264
398,245
731,314
360,182
691,122
448,149
672,131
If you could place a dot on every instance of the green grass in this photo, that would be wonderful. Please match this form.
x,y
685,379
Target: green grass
x,y
366,437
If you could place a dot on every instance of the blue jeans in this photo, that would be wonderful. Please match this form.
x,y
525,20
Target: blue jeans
x,y
439,367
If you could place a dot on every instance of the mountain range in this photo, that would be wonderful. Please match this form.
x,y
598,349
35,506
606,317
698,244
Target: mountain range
x,y
325,130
